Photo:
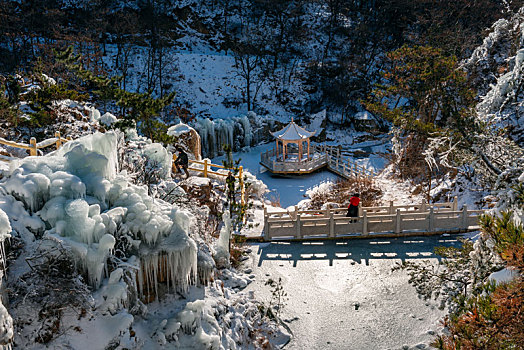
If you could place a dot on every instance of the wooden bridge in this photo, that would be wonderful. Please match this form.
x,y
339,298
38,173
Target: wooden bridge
x,y
385,221
322,156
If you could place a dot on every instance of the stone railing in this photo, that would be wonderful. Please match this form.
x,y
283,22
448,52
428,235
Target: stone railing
x,y
390,220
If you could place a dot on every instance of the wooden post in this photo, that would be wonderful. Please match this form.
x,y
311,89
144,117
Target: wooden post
x,y
398,221
59,140
455,204
365,223
33,150
331,225
241,182
298,223
464,218
431,217
205,167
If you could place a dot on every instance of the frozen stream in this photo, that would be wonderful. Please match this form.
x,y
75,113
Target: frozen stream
x,y
343,294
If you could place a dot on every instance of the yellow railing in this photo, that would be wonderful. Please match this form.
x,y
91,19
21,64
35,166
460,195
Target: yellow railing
x,y
207,170
33,146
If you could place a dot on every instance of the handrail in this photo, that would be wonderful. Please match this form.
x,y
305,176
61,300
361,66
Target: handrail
x,y
33,146
206,171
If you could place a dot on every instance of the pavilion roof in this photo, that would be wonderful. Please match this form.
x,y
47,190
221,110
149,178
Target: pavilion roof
x,y
293,132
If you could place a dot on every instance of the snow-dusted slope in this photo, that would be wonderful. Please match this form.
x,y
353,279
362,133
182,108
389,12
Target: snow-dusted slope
x,y
79,223
499,66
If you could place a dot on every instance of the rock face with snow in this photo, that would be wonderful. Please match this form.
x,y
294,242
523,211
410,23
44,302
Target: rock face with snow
x,y
187,136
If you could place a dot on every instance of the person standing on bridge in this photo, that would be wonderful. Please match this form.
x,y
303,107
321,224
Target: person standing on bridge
x,y
353,206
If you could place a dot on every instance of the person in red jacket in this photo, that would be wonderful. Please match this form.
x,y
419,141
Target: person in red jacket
x,y
353,206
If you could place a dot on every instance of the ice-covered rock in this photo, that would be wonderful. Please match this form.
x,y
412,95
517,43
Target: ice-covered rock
x,y
113,295
222,245
5,226
6,326
108,119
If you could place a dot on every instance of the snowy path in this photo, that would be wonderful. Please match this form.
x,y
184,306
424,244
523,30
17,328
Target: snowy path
x,y
344,294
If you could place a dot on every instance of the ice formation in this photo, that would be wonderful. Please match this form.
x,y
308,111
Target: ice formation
x,y
113,295
6,325
222,245
86,205
108,119
236,132
5,227
6,322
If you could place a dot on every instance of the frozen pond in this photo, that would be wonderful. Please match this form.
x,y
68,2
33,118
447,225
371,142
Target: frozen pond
x,y
290,189
342,294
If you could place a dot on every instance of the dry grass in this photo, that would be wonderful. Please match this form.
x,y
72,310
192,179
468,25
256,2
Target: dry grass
x,y
344,189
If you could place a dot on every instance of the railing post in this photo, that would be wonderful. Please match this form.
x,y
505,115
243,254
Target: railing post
x,y
360,209
298,223
266,225
391,207
59,140
326,215
455,204
205,167
464,218
423,206
398,221
331,225
431,218
33,149
365,223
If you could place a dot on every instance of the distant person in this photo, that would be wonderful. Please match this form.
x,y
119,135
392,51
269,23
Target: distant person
x,y
353,206
182,161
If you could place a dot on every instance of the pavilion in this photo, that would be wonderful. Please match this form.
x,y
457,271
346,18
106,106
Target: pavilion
x,y
293,153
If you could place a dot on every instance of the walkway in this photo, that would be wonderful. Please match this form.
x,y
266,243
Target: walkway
x,y
322,156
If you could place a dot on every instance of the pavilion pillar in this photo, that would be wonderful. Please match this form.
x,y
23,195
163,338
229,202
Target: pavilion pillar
x,y
308,152
300,150
276,150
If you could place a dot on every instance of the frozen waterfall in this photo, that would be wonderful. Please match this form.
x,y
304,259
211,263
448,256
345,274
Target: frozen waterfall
x,y
236,131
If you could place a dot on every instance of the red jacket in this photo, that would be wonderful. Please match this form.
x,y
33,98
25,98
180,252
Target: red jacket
x,y
354,201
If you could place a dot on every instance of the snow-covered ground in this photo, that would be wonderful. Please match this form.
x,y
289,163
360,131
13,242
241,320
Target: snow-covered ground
x,y
343,294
